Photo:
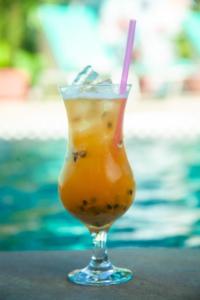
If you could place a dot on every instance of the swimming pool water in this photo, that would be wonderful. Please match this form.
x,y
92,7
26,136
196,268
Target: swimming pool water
x,y
166,212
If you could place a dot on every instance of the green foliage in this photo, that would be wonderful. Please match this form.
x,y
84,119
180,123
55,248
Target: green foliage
x,y
5,56
196,5
29,62
19,34
183,46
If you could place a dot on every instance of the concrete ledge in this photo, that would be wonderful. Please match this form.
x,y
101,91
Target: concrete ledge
x,y
159,274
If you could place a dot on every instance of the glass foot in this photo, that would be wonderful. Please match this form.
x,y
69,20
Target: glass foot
x,y
112,276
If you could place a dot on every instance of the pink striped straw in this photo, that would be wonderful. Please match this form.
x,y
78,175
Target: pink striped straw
x,y
124,78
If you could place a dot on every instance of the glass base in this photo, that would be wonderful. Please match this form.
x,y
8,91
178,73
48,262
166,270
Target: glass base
x,y
111,276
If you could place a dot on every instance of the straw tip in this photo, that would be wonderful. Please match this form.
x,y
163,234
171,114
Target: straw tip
x,y
132,21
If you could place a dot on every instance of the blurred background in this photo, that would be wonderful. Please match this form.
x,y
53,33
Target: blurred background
x,y
44,44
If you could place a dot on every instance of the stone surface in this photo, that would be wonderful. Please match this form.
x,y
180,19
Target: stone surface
x,y
159,274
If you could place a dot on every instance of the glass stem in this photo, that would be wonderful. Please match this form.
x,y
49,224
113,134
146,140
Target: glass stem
x,y
99,260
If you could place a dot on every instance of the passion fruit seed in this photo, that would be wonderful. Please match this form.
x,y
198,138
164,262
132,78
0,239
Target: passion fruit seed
x,y
109,124
82,153
130,192
75,156
109,206
85,202
120,144
78,154
116,205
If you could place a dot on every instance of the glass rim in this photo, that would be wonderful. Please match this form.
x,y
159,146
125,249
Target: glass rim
x,y
96,91
129,85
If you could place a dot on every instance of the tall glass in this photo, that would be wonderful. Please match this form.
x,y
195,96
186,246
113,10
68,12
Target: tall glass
x,y
96,184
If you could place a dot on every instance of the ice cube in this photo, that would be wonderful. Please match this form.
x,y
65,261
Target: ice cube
x,y
86,76
88,79
102,80
83,108
89,84
82,126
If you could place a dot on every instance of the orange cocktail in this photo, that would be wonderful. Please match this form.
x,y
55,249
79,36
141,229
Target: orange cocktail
x,y
96,184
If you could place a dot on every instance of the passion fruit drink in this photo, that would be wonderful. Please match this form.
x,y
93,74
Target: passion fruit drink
x,y
96,184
